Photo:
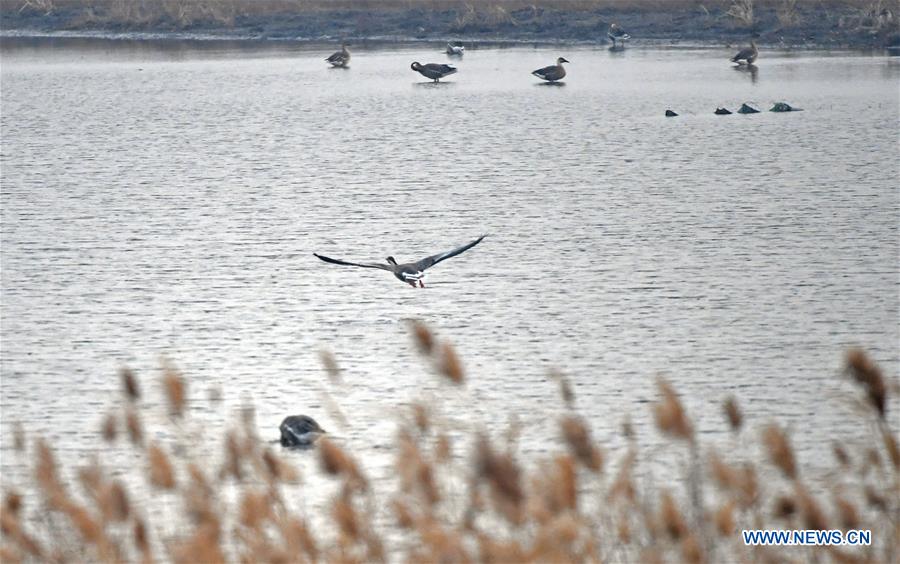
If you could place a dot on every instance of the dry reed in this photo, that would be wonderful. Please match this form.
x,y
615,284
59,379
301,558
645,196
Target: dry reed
x,y
515,510
671,417
780,452
733,414
869,377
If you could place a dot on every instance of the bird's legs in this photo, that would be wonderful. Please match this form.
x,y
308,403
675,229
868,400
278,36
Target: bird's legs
x,y
421,284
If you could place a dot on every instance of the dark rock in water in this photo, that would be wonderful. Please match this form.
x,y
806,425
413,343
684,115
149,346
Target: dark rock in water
x,y
299,430
670,113
784,107
723,112
745,109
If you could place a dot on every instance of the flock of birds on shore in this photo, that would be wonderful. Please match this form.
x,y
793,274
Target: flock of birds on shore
x,y
552,73
302,430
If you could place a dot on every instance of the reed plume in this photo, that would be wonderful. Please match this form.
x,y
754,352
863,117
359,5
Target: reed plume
x,y
162,474
780,452
577,435
174,387
671,417
733,414
130,385
505,506
867,374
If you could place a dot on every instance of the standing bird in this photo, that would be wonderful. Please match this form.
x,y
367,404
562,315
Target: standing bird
x,y
434,71
616,33
749,54
299,430
553,72
410,272
340,58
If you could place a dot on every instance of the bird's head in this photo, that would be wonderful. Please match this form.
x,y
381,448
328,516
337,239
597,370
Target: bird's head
x,y
391,259
561,60
415,66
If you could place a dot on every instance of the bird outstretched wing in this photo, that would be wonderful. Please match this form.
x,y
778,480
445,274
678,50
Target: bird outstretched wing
x,y
428,262
345,263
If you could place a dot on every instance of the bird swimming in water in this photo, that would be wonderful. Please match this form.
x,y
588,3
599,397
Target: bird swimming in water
x,y
299,430
340,58
553,72
747,55
410,272
616,33
456,48
434,71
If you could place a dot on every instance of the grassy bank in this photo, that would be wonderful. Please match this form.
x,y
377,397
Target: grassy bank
x,y
826,23
579,502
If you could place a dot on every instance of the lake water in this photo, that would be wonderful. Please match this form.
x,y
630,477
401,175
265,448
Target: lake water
x,y
164,200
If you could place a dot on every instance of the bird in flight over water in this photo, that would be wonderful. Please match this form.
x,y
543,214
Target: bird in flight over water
x,y
410,272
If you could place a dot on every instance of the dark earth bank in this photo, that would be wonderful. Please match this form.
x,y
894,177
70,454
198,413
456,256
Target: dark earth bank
x,y
812,26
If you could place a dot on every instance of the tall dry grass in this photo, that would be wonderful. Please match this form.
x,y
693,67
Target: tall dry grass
x,y
580,502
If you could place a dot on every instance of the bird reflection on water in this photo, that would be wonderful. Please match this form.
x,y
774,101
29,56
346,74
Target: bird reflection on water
x,y
751,70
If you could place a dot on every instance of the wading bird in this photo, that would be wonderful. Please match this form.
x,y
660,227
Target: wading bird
x,y
340,58
434,71
747,55
553,72
410,272
616,33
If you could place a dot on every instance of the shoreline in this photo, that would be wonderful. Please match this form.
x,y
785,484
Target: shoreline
x,y
401,41
814,27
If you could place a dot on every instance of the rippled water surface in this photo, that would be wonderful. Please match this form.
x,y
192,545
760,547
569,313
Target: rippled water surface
x,y
165,201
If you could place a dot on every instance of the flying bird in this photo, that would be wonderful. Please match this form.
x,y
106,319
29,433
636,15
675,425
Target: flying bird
x,y
553,72
340,58
410,272
434,71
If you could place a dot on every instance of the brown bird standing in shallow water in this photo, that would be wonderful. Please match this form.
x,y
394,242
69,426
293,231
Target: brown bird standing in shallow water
x,y
434,71
410,272
616,33
340,58
553,72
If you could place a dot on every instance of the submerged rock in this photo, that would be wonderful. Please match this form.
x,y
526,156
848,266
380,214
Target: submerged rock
x,y
746,109
670,113
723,112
